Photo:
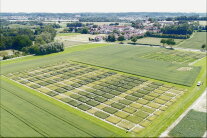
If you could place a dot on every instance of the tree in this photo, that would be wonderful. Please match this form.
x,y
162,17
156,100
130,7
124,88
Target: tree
x,y
21,41
84,31
111,38
170,42
134,39
203,46
121,38
163,41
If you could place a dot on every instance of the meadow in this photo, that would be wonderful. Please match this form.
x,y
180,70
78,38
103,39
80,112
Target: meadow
x,y
130,59
195,42
192,125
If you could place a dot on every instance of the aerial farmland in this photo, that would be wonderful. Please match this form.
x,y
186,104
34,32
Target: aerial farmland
x,y
129,74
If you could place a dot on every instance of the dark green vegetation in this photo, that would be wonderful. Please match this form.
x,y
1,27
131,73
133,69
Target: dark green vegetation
x,y
192,125
197,40
30,41
129,59
27,114
182,29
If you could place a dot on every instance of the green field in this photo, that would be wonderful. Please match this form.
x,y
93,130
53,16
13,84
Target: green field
x,y
129,59
195,42
122,100
154,41
40,117
36,68
192,125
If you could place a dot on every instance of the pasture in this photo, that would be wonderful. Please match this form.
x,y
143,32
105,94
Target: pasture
x,y
127,102
195,42
130,59
192,125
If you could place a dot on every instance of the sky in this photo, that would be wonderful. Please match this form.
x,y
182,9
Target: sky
x,y
70,6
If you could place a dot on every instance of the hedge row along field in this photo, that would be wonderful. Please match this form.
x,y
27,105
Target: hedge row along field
x,y
125,101
131,59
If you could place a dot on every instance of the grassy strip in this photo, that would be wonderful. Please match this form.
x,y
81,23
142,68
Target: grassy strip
x,y
72,110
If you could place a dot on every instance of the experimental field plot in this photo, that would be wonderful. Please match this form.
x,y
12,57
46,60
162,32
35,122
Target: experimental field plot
x,y
128,102
174,56
131,59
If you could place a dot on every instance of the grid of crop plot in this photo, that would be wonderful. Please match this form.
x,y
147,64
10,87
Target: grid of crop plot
x,y
175,56
125,101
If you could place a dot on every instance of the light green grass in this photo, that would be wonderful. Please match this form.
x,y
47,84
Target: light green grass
x,y
32,61
48,116
129,59
197,40
192,125
67,34
154,41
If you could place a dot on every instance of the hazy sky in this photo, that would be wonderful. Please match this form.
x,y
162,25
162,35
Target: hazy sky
x,y
103,6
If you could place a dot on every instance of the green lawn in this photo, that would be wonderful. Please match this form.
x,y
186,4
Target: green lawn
x,y
195,42
129,59
24,111
192,125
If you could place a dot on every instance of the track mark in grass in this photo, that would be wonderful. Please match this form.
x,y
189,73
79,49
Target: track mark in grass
x,y
68,122
24,121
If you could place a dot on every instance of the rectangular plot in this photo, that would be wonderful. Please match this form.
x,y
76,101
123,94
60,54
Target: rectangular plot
x,y
134,119
84,107
101,114
117,105
110,110
129,110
